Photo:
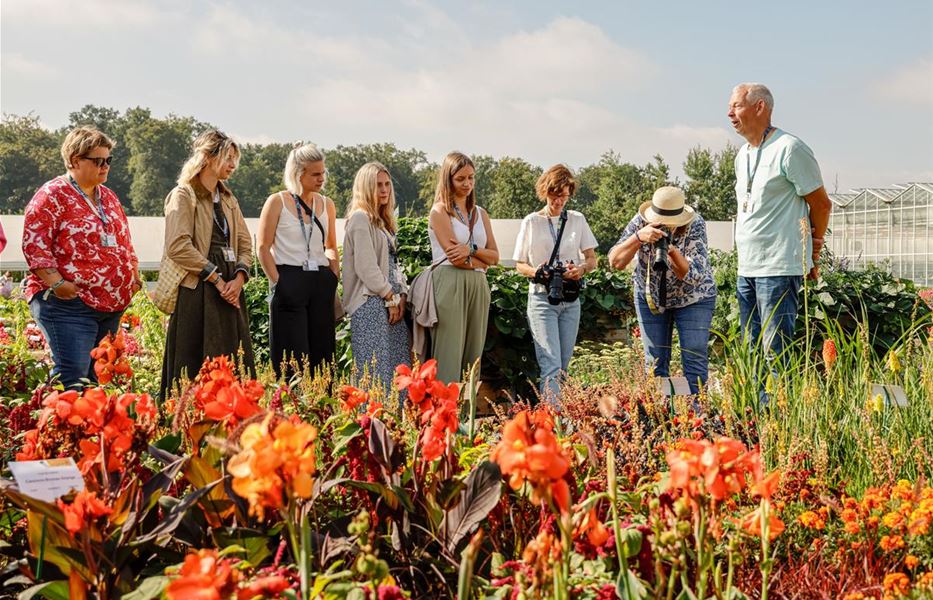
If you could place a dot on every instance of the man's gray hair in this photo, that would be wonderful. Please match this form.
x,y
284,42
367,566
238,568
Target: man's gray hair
x,y
755,92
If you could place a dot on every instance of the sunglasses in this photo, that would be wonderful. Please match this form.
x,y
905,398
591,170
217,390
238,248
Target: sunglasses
x,y
99,161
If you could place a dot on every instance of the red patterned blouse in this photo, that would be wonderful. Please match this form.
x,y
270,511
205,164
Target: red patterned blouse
x,y
62,231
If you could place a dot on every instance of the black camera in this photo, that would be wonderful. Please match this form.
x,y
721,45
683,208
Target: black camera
x,y
558,289
660,261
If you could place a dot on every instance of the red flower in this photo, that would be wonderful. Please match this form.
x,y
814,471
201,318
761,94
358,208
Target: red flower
x,y
204,576
351,397
223,397
270,586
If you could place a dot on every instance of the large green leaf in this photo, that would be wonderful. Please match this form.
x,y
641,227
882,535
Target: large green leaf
x,y
148,589
52,590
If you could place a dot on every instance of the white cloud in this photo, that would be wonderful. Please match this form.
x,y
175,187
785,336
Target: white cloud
x,y
84,14
27,68
911,84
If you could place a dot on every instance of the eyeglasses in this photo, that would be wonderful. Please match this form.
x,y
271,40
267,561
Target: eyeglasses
x,y
99,161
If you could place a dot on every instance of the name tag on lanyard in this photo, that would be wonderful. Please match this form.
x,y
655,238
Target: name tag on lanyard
x,y
108,240
229,254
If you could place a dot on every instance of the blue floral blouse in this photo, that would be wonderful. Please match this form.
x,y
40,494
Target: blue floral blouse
x,y
698,283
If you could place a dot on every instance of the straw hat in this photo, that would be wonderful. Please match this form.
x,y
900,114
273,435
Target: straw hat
x,y
668,207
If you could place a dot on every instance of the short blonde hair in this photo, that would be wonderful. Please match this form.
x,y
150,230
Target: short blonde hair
x,y
444,193
366,200
295,165
554,180
82,140
210,145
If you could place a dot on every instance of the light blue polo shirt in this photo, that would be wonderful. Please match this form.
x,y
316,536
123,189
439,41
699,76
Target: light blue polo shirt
x,y
768,232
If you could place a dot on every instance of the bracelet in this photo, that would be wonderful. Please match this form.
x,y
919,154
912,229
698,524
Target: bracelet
x,y
57,284
639,239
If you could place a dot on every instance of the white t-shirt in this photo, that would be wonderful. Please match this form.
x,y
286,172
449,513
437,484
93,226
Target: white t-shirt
x,y
535,241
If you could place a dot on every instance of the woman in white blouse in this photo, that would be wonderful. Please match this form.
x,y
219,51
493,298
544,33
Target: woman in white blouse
x,y
554,321
297,246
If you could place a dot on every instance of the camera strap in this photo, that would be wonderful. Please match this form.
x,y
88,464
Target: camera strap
x,y
662,292
558,236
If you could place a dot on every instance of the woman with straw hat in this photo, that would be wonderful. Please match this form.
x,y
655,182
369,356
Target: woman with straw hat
x,y
673,282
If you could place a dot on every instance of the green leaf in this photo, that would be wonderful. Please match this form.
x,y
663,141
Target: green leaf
x,y
53,590
629,587
149,588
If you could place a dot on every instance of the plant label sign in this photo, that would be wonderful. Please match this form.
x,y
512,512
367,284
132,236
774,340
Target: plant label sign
x,y
674,386
47,479
892,394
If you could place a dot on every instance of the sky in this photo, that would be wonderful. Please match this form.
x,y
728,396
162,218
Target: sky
x,y
542,80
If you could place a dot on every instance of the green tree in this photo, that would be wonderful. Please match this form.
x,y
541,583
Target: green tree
x,y
427,185
29,156
344,161
513,183
258,175
158,148
484,189
710,183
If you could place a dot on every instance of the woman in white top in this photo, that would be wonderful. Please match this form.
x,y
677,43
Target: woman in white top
x,y
297,245
374,287
554,310
461,237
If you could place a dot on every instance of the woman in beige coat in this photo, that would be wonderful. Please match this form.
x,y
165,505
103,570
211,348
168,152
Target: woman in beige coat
x,y
205,234
374,287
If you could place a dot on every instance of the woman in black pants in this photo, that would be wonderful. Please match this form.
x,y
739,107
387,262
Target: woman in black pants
x,y
297,247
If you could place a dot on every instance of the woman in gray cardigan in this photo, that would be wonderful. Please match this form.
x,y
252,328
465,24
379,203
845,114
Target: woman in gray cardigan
x,y
374,287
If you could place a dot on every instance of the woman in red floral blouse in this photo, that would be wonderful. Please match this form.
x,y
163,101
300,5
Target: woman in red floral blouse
x,y
77,244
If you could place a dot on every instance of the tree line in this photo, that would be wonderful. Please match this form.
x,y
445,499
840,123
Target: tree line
x,y
151,150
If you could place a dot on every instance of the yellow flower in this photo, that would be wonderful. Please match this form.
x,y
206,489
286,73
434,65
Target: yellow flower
x,y
876,404
894,363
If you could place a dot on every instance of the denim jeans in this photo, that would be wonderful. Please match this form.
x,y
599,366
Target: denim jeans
x,y
72,330
554,330
773,302
657,331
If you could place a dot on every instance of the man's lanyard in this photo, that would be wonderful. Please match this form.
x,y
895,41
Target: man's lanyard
x,y
99,212
224,226
749,172
469,225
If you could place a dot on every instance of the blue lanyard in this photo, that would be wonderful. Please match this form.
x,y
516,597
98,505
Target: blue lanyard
x,y
100,207
749,173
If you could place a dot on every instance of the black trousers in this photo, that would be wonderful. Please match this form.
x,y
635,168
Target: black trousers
x,y
301,318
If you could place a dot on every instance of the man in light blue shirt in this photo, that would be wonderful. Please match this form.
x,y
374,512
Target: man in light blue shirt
x,y
783,211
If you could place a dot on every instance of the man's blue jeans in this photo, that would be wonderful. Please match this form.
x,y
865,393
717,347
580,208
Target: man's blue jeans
x,y
554,330
657,332
72,330
769,302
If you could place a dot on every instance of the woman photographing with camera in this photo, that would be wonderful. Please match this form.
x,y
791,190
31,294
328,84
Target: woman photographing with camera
x,y
556,275
673,282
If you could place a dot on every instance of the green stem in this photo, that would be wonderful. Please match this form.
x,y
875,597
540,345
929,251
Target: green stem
x,y
765,548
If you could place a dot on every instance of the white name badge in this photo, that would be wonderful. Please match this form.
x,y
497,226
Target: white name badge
x,y
309,265
109,240
229,254
47,479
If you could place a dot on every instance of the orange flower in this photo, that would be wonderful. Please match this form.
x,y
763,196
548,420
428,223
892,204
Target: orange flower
x,y
829,353
751,524
896,584
596,532
204,576
911,561
351,397
893,520
83,510
110,360
766,487
529,451
720,467
270,586
223,397
891,542
272,468
811,520
416,381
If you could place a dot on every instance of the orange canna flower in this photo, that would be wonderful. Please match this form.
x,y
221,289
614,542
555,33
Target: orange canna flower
x,y
270,586
417,380
204,576
83,510
596,532
766,487
529,451
224,398
751,524
351,397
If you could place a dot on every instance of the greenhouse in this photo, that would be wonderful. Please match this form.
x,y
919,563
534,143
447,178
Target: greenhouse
x,y
886,226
